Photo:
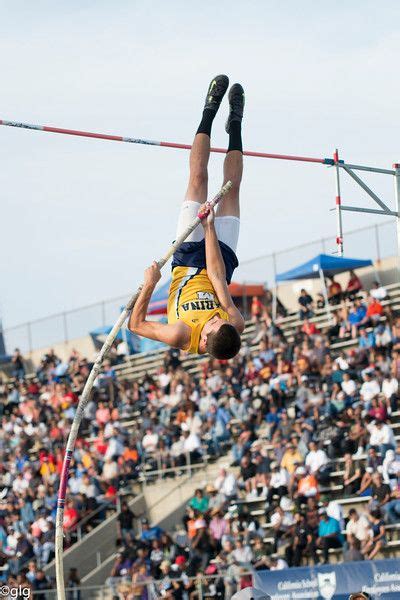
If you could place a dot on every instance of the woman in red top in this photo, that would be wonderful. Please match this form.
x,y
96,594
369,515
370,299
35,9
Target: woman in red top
x,y
374,310
354,285
256,308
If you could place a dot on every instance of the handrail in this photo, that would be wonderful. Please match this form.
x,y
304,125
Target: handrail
x,y
112,502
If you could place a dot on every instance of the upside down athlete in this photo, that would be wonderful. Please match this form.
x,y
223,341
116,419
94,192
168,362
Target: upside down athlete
x,y
201,314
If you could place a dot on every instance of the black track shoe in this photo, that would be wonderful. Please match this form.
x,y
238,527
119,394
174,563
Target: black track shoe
x,y
236,105
216,92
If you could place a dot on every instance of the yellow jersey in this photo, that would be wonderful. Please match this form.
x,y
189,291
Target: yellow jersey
x,y
192,299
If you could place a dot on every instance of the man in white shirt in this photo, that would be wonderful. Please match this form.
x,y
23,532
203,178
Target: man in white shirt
x,y
110,470
390,386
348,385
226,484
163,378
369,389
242,554
277,564
150,441
316,458
357,527
192,445
379,292
382,436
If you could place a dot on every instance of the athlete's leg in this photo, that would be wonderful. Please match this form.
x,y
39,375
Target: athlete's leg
x,y
200,152
198,175
196,192
233,164
233,170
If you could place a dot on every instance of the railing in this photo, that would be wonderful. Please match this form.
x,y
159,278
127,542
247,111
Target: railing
x,y
374,241
114,504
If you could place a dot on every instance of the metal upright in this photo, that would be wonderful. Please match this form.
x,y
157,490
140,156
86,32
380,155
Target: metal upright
x,y
339,224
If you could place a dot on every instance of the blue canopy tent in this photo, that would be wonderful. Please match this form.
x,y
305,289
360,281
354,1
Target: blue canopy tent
x,y
321,266
329,265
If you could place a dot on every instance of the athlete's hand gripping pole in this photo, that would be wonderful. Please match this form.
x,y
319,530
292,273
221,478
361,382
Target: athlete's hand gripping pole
x,y
203,213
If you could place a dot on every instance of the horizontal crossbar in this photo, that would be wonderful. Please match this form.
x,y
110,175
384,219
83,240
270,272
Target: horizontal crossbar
x,y
130,140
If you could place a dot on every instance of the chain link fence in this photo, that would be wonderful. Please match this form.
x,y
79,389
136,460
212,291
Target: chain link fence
x,y
375,242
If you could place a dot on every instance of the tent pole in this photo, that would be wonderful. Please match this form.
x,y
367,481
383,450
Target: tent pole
x,y
325,293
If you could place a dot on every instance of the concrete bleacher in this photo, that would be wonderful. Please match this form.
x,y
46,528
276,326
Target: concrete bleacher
x,y
138,366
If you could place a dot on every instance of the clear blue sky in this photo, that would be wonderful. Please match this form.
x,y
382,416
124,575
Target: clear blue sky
x,y
82,218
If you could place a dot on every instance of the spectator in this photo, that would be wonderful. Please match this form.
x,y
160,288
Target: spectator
x,y
307,486
378,291
357,527
329,535
351,475
306,305
226,484
320,303
377,537
382,437
374,311
73,583
125,521
308,328
17,360
256,309
318,463
150,533
199,502
354,286
334,291
380,492
279,481
298,543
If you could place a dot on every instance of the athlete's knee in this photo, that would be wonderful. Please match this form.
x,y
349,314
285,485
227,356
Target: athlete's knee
x,y
235,187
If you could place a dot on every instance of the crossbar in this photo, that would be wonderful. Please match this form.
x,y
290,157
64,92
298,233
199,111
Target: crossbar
x,y
131,140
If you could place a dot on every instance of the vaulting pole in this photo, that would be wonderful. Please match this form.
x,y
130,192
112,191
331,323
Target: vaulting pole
x,y
89,385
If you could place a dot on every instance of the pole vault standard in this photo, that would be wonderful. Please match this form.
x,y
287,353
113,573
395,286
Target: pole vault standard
x,y
62,492
383,208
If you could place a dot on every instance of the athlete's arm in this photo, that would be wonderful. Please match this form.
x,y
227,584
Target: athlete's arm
x,y
216,273
173,335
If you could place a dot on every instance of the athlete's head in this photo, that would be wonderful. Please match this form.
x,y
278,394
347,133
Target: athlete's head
x,y
220,339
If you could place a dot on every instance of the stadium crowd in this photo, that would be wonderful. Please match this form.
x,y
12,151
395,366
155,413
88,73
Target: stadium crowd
x,y
284,411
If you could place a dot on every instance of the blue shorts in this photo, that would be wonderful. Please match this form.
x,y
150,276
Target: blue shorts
x,y
193,254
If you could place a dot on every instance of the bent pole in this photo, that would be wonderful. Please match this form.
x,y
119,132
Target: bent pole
x,y
131,140
89,385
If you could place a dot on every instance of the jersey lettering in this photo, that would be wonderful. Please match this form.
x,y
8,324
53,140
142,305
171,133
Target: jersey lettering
x,y
200,305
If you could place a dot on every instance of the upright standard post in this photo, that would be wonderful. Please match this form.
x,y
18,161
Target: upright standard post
x,y
84,399
397,196
339,226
